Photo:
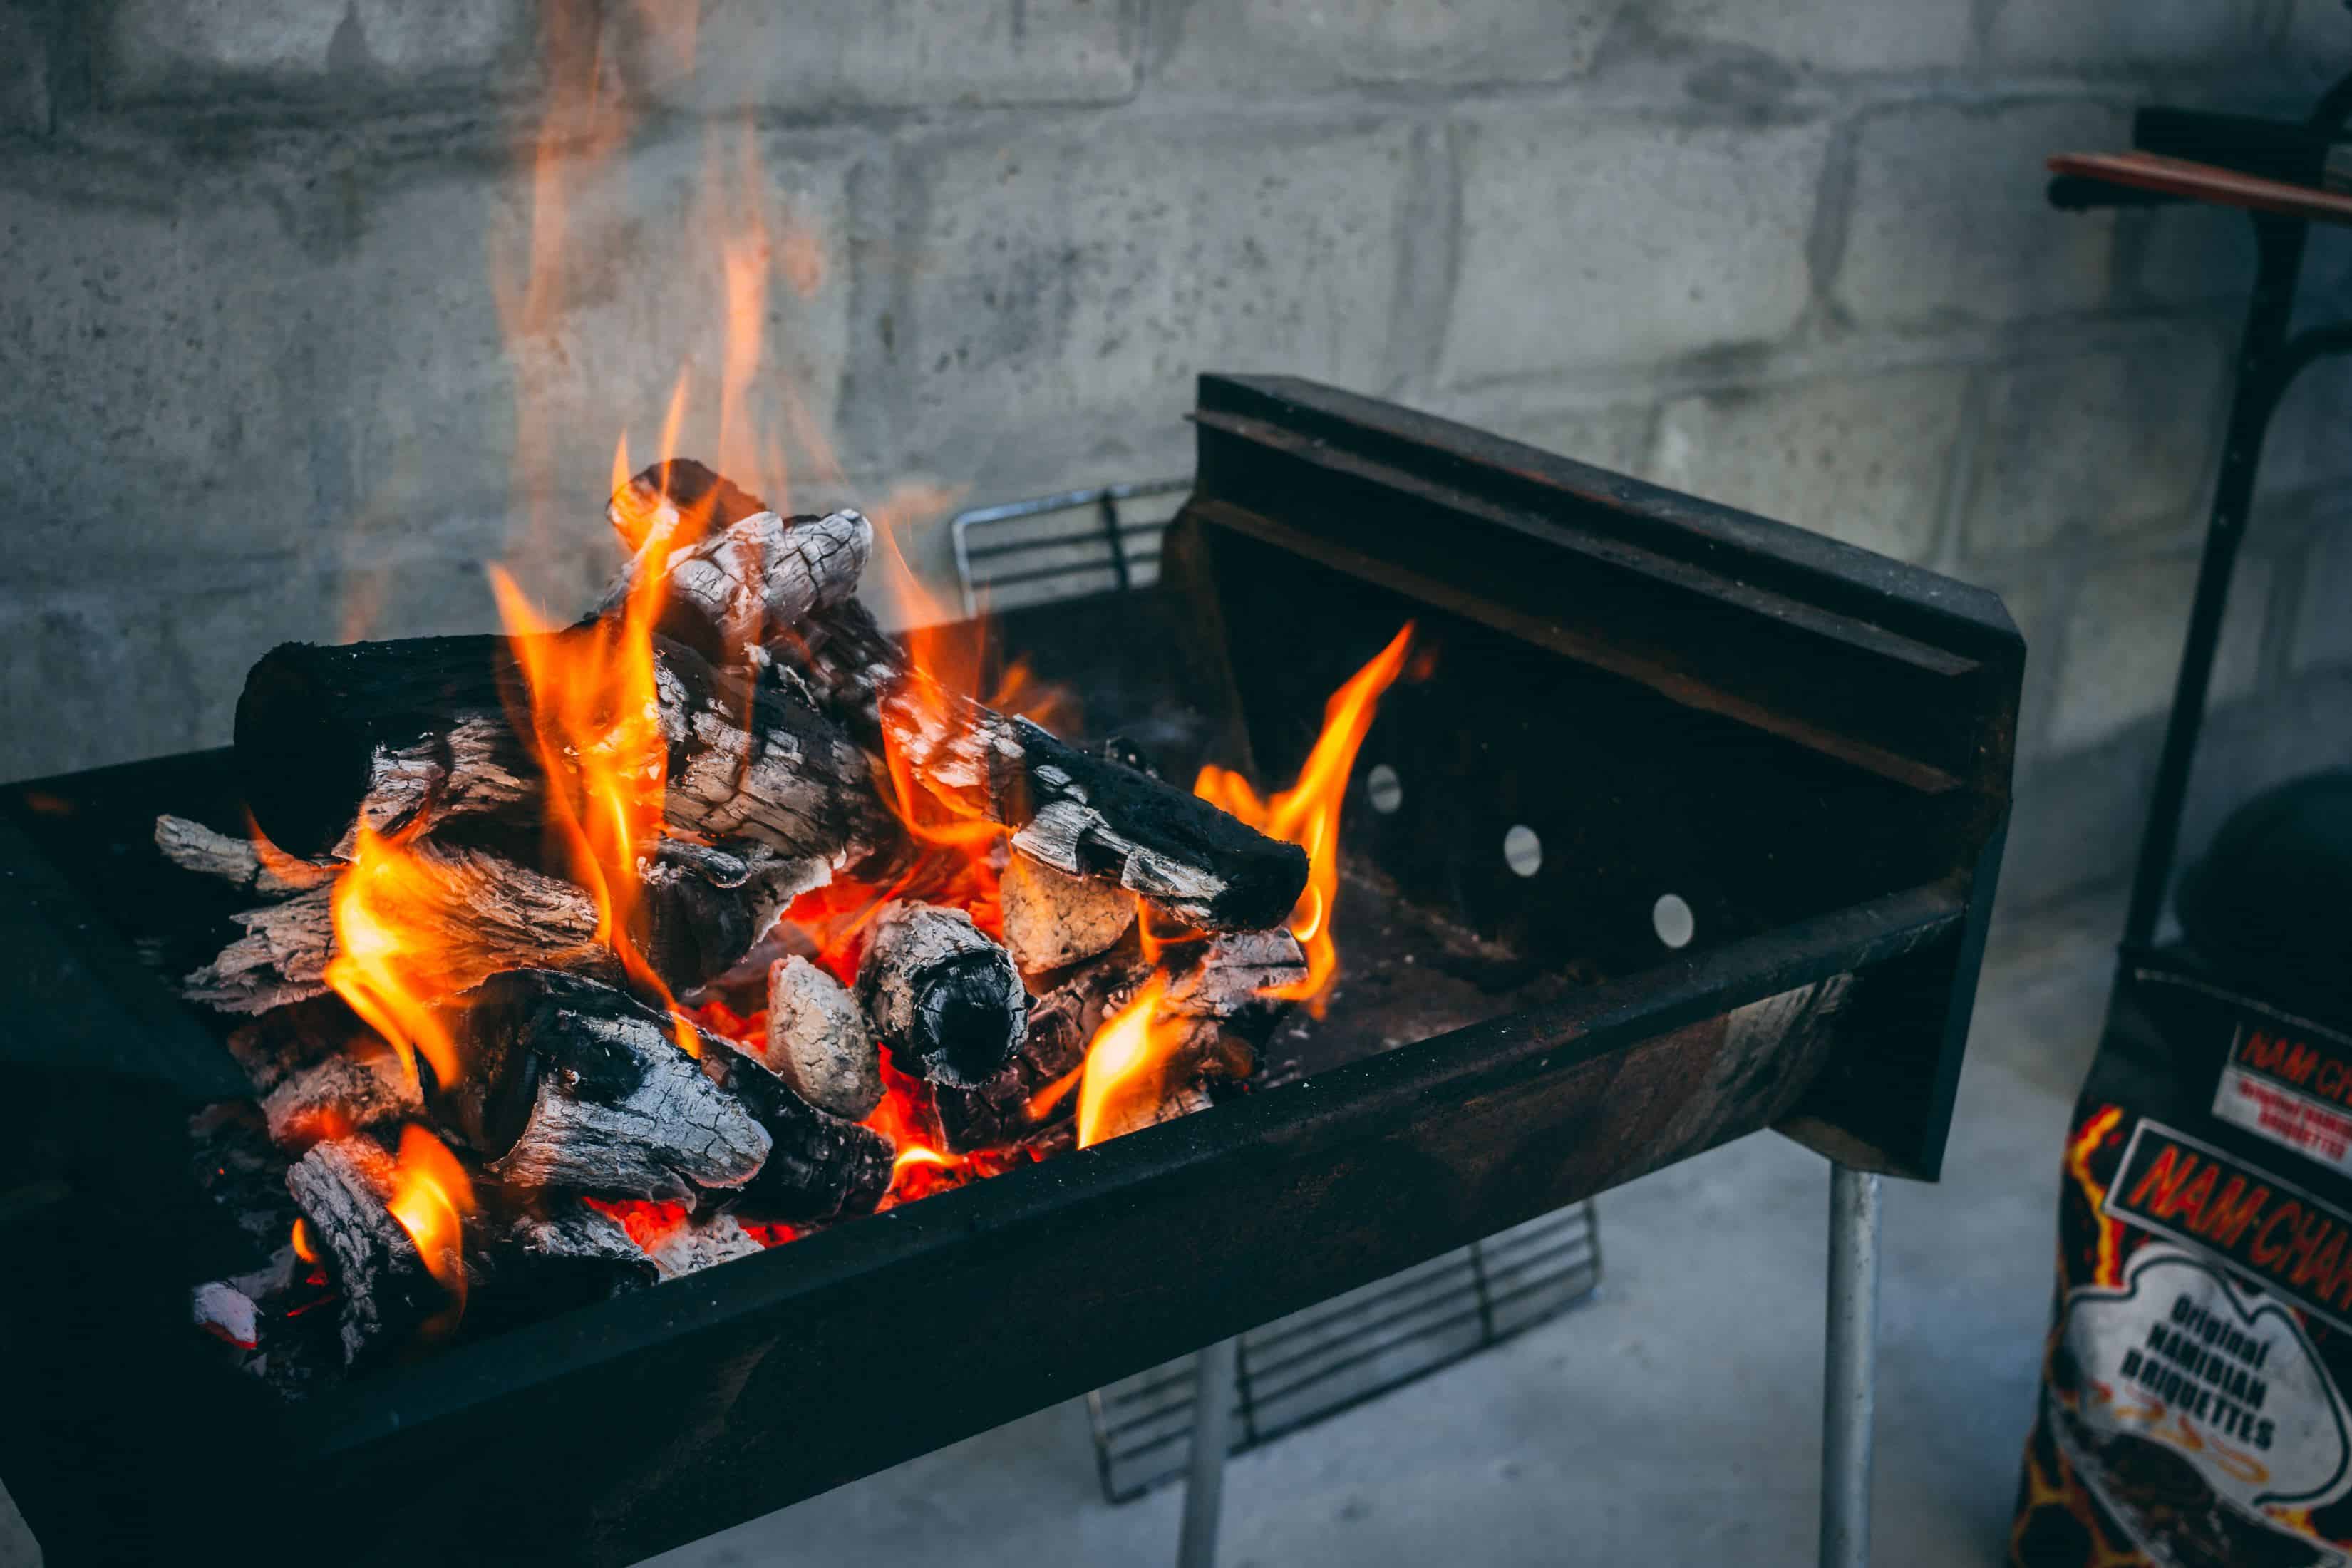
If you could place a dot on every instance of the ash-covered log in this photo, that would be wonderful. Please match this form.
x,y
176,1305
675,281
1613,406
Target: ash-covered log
x,y
943,997
192,847
349,1091
344,1189
820,1167
417,732
568,1083
283,1040
478,912
818,1042
1238,973
527,1255
1077,813
1052,920
737,583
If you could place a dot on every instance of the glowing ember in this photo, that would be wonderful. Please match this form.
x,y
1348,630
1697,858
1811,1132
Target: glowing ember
x,y
430,1196
1126,1071
1307,813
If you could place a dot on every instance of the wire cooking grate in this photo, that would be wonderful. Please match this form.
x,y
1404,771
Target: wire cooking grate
x,y
1062,546
1297,1370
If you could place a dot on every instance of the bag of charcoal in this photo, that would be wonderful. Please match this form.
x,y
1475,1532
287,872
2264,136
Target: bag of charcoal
x,y
2192,1407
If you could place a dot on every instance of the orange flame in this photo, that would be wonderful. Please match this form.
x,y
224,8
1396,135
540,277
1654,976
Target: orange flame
x,y
1307,813
304,1247
387,958
596,723
1126,1071
430,1196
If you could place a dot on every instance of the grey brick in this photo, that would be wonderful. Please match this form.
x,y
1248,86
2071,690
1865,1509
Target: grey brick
x,y
1829,34
89,679
2319,38
2323,630
153,51
1592,241
2309,446
2111,440
1284,45
2123,644
2192,255
159,403
820,54
1062,293
1949,222
2144,33
25,28
1865,461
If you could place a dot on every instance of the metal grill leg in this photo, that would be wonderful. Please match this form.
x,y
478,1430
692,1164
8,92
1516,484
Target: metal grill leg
x,y
1849,1389
1204,1487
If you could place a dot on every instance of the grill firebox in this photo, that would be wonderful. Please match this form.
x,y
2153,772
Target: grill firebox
x,y
1630,696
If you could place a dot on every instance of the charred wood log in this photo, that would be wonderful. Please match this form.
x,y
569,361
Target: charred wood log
x,y
1052,920
531,1254
758,577
344,1189
479,912
192,847
818,1042
417,733
571,1084
285,1039
1079,814
693,1245
1220,985
944,998
341,1094
820,1167
1033,1092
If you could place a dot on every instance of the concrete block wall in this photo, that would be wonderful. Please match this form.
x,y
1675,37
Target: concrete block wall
x,y
256,380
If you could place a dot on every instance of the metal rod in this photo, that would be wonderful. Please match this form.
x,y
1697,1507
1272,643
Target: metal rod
x,y
1205,1487
1850,1383
2258,387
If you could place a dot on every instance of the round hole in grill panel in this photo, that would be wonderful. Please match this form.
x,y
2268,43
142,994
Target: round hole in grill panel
x,y
1672,919
1383,789
1522,850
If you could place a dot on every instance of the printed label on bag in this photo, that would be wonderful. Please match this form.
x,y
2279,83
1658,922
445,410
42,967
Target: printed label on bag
x,y
2294,1090
2191,1192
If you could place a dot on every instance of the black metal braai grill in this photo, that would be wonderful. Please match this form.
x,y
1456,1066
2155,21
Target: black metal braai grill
x,y
1799,749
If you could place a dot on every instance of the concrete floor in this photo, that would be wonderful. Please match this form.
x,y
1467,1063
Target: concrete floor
x,y
1674,1421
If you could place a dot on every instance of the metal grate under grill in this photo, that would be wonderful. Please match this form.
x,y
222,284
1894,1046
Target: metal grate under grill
x,y
1297,1370
1060,546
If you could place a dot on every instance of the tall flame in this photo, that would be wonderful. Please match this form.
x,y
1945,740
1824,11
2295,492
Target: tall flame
x,y
431,1193
1307,813
1126,1071
596,723
385,956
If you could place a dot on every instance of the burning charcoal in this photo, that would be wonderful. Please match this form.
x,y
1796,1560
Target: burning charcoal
x,y
344,1189
341,1094
286,1038
192,847
1034,1091
571,1084
1071,810
1231,974
695,1244
820,1167
703,909
485,913
735,580
945,999
818,1042
415,733
1051,920
552,1254
1134,1116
